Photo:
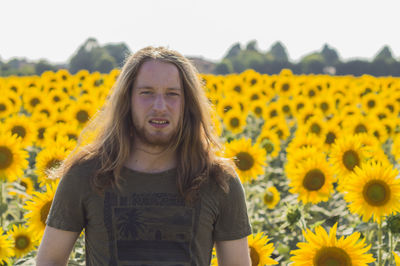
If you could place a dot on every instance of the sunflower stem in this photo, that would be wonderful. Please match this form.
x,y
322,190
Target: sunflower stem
x,y
390,247
379,244
1,201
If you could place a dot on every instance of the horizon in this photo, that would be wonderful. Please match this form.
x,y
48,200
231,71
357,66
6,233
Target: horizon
x,y
204,29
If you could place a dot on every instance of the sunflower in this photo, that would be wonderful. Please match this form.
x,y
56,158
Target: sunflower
x,y
270,142
6,107
396,258
258,108
259,249
22,127
373,191
304,140
23,241
332,132
48,158
312,180
284,86
326,104
6,247
347,153
81,112
370,102
32,98
234,121
249,159
225,105
24,189
38,208
322,249
13,159
271,197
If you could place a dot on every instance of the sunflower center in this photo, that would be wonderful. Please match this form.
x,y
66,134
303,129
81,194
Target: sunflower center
x,y
22,183
255,257
19,130
314,180
315,128
44,211
6,157
82,116
227,108
258,110
34,102
332,256
268,145
286,109
52,163
2,107
22,242
360,128
330,138
234,122
268,197
244,161
41,132
72,136
285,87
376,193
273,113
371,103
238,89
324,106
350,159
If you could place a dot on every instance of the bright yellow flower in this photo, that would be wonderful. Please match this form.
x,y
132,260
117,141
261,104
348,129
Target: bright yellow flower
x,y
271,197
373,191
13,159
249,159
23,240
38,208
322,249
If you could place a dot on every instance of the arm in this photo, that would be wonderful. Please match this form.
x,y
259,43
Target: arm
x,y
233,252
55,247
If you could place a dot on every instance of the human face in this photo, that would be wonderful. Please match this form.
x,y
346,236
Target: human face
x,y
157,103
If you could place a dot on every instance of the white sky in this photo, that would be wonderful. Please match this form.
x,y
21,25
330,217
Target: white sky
x,y
54,29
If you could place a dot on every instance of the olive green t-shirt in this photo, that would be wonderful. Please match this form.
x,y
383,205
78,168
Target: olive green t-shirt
x,y
148,222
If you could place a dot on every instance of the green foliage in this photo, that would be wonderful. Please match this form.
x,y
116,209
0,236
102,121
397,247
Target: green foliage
x,y
93,57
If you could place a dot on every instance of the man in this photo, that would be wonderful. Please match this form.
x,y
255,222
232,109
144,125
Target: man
x,y
149,189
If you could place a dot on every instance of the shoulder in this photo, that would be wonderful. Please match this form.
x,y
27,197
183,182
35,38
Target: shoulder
x,y
80,172
223,180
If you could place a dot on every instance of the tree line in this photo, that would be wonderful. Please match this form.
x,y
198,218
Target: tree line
x,y
95,57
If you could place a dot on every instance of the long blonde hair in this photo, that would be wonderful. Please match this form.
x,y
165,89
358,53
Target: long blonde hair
x,y
195,142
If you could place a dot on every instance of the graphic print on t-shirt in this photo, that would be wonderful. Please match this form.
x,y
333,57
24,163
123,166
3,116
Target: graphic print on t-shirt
x,y
148,229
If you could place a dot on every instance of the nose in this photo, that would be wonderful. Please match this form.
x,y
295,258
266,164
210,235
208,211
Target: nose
x,y
159,103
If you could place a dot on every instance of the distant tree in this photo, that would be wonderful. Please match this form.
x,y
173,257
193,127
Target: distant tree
x,y
384,54
224,67
312,64
278,53
329,55
252,46
105,63
234,50
119,52
43,66
354,67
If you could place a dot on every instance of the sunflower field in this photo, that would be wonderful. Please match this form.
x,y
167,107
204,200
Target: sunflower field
x,y
318,157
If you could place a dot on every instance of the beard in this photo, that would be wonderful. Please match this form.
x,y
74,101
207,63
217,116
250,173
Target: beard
x,y
156,139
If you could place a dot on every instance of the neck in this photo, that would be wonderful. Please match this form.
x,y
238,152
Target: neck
x,y
151,159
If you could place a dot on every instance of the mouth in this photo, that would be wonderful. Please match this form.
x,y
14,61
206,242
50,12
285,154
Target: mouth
x,y
159,122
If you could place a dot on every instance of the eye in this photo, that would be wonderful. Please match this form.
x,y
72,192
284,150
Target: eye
x,y
145,92
172,94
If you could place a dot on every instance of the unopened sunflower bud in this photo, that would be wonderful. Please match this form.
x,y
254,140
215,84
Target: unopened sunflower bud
x,y
393,223
293,216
